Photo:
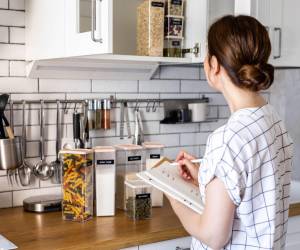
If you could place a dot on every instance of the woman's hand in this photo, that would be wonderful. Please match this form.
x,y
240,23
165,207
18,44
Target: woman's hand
x,y
188,170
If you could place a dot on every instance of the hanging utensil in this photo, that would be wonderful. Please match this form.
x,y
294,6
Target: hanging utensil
x,y
76,129
138,138
127,120
56,179
42,169
3,101
9,128
122,121
25,170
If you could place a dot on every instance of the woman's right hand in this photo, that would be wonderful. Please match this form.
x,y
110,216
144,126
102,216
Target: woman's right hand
x,y
188,170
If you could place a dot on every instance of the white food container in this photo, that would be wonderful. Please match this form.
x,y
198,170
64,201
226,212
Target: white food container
x,y
105,168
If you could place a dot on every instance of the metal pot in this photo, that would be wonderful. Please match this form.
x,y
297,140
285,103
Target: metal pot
x,y
10,153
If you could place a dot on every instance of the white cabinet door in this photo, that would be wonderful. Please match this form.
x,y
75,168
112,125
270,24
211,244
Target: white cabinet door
x,y
78,27
183,243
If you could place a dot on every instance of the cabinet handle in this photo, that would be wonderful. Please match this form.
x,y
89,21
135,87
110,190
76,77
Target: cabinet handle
x,y
277,29
94,17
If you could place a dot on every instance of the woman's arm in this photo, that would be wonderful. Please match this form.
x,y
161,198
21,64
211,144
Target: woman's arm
x,y
214,226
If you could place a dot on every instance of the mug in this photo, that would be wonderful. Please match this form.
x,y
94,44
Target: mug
x,y
199,111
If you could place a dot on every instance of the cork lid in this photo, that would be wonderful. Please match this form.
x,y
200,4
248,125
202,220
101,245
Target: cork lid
x,y
150,145
129,147
104,149
80,151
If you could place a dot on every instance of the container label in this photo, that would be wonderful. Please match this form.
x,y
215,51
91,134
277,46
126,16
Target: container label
x,y
143,196
154,156
134,158
176,21
105,162
157,4
176,2
175,43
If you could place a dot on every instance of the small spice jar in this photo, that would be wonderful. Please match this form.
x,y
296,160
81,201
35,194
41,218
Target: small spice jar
x,y
98,107
91,114
105,114
77,166
138,200
174,27
174,7
129,162
153,154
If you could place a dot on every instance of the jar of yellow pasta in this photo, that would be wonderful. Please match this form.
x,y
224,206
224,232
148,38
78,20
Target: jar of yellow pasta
x,y
77,166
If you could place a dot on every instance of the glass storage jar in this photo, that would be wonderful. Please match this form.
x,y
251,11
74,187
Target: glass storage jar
x,y
173,47
138,200
129,162
174,7
77,203
174,27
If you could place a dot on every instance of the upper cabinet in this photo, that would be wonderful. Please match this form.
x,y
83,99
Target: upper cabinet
x,y
281,17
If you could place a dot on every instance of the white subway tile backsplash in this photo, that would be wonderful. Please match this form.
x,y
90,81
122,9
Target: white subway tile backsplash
x,y
17,68
18,84
72,96
188,139
17,4
3,34
173,72
169,140
12,18
5,185
3,4
150,127
58,85
172,152
6,200
110,141
19,196
211,126
12,51
216,99
179,96
114,86
36,96
196,86
159,86
17,35
4,68
138,96
224,112
179,128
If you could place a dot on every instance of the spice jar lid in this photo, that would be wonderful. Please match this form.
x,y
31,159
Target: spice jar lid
x,y
91,104
106,104
153,145
128,147
98,104
100,149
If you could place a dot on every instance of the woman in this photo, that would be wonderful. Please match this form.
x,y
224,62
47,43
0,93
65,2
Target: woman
x,y
245,174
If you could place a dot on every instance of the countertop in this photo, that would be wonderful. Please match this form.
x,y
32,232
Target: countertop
x,y
49,231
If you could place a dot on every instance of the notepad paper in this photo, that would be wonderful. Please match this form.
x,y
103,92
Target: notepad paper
x,y
5,244
166,178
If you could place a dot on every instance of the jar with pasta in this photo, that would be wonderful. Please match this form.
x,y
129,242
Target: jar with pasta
x,y
77,165
150,28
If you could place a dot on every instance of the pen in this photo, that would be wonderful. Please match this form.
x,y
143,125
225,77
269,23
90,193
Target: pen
x,y
192,161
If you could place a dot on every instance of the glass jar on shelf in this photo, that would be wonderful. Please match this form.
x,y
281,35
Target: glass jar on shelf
x,y
174,27
173,47
174,7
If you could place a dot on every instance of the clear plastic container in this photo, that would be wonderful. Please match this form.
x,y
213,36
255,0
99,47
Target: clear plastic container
x,y
174,7
174,27
138,200
154,153
129,162
173,47
77,166
150,28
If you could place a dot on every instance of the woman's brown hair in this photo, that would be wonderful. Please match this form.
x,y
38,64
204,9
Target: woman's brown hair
x,y
242,46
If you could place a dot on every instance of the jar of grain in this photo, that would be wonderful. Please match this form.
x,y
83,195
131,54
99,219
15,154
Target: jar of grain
x,y
174,7
174,27
150,28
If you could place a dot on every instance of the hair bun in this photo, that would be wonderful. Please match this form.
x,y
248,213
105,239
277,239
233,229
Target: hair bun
x,y
256,77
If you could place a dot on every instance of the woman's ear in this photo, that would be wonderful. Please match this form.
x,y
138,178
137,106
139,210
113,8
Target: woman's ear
x,y
215,66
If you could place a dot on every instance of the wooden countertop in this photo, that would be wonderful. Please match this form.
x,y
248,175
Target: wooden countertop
x,y
49,231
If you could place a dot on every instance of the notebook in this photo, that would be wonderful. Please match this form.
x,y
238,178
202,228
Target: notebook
x,y
166,178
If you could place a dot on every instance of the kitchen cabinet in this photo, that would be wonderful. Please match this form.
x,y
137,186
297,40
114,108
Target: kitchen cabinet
x,y
293,233
97,38
281,17
180,243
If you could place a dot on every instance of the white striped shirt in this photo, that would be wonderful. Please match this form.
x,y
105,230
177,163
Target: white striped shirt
x,y
252,156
